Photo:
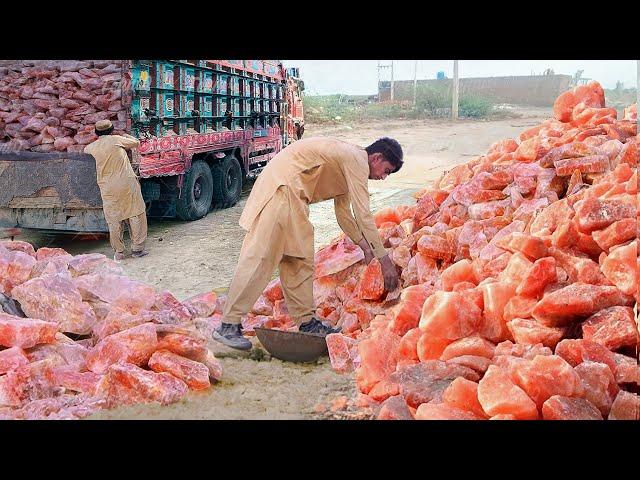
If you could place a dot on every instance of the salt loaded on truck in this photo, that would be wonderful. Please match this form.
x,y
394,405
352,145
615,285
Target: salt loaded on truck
x,y
205,126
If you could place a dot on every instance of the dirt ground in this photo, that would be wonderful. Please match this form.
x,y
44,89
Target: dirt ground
x,y
191,257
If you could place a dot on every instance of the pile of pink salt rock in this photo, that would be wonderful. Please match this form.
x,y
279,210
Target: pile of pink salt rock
x,y
76,335
519,281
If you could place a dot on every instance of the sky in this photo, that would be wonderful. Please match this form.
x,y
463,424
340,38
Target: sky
x,y
359,77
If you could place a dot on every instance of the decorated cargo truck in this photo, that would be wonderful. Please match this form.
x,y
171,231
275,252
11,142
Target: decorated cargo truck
x,y
205,127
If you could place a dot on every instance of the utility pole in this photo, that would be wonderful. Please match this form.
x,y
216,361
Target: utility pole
x,y
415,82
392,81
454,105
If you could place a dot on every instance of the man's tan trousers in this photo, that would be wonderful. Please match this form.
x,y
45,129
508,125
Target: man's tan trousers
x,y
262,251
137,232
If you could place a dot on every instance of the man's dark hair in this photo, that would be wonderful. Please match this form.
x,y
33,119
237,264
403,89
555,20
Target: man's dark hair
x,y
104,132
391,150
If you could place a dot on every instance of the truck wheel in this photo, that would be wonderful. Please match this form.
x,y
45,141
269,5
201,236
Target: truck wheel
x,y
197,192
227,182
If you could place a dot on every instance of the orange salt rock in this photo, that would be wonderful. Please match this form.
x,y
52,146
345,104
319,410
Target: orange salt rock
x,y
343,352
576,351
594,214
439,411
461,271
378,358
406,314
194,374
613,327
202,305
540,274
394,408
463,394
529,150
565,235
516,269
529,352
575,301
408,349
426,381
519,307
441,308
498,394
545,376
503,416
46,252
600,386
331,259
434,246
586,244
474,362
620,267
590,164
529,331
384,389
183,345
626,406
134,345
496,296
616,233
426,268
387,214
128,384
11,359
579,269
430,348
25,332
532,247
372,282
473,345
559,407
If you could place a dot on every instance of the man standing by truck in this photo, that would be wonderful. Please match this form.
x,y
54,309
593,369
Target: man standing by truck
x,y
119,188
279,233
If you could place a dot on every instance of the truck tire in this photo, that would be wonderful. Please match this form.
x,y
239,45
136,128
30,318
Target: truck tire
x,y
227,182
197,191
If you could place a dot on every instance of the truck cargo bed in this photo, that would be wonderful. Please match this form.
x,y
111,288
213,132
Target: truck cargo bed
x,y
52,191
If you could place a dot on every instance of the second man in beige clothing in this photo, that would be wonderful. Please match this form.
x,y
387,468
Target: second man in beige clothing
x,y
279,233
122,200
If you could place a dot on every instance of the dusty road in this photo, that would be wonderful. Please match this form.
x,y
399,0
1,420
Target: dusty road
x,y
189,258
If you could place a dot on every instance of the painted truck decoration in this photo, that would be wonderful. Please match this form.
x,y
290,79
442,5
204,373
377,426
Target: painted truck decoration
x,y
204,126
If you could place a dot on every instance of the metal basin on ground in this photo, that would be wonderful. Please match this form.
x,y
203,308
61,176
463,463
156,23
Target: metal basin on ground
x,y
292,346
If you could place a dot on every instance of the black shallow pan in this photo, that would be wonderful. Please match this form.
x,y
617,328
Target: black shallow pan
x,y
292,346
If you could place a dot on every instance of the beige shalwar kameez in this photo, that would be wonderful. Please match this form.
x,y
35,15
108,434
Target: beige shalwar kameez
x,y
279,232
120,190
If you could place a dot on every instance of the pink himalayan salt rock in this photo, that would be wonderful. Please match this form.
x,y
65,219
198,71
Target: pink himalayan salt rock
x,y
613,327
441,307
25,332
441,411
600,386
576,351
194,374
378,358
54,298
473,345
117,291
528,352
12,358
91,263
18,246
186,346
343,352
128,384
135,345
463,394
595,214
70,379
537,277
577,300
165,301
15,269
202,305
529,331
498,394
545,376
475,362
394,408
46,252
626,406
620,267
559,407
337,257
426,381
